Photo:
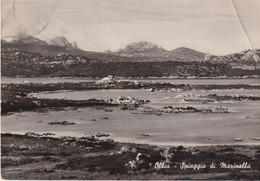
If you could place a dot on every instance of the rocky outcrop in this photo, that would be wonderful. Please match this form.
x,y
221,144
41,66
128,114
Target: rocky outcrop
x,y
142,48
130,103
107,80
176,110
31,134
250,57
74,44
61,41
127,103
140,160
111,81
123,150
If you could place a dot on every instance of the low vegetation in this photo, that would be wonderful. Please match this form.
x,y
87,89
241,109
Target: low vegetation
x,y
43,157
19,63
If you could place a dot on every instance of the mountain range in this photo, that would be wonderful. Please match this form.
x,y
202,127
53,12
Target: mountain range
x,y
135,52
32,57
139,51
149,50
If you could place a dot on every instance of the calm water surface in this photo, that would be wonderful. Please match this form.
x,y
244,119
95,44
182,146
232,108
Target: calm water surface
x,y
167,129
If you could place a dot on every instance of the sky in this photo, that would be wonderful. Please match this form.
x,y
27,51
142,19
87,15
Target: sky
x,y
211,26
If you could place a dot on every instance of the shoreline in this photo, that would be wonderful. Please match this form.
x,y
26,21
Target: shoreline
x,y
125,140
15,96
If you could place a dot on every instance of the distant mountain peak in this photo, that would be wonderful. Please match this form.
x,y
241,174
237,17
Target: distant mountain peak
x,y
144,50
141,46
61,41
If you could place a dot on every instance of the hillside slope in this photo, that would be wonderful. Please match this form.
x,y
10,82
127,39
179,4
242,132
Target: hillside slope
x,y
150,52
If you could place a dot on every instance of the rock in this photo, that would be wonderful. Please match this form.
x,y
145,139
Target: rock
x,y
107,80
22,147
139,160
134,150
61,41
129,103
88,148
125,149
141,156
194,153
132,164
112,153
238,139
74,44
167,155
47,134
61,123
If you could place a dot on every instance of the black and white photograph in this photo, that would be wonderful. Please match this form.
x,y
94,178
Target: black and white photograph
x,y
130,89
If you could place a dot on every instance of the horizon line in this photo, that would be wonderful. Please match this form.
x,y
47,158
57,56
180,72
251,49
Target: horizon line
x,y
113,51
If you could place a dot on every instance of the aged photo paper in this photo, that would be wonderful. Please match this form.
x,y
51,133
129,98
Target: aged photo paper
x,y
130,89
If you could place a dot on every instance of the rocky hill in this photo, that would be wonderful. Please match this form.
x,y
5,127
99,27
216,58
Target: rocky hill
x,y
150,52
46,48
188,54
27,64
247,59
250,55
142,48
